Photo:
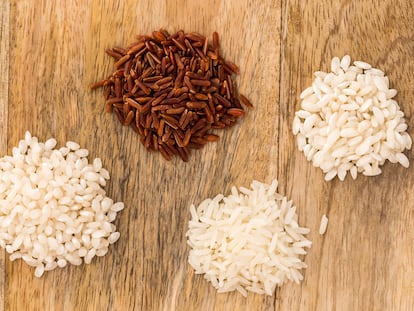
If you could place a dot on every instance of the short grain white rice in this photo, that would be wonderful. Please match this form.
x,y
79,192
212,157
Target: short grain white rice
x,y
247,241
355,125
52,210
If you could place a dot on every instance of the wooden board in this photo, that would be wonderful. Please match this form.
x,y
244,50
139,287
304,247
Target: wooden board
x,y
4,97
52,50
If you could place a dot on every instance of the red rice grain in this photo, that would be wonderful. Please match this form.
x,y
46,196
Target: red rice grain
x,y
173,90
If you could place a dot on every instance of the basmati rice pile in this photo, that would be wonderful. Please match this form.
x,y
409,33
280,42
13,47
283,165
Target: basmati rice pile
x,y
53,209
247,241
349,121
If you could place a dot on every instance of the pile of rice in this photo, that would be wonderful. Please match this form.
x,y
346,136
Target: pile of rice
x,y
247,241
53,209
349,121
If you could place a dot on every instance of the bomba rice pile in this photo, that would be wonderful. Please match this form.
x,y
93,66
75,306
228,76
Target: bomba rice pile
x,y
53,209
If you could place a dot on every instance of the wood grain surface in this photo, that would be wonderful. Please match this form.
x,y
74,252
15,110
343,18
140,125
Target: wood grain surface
x,y
4,98
50,51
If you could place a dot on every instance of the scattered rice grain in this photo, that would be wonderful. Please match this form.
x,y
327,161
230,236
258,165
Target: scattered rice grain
x,y
323,225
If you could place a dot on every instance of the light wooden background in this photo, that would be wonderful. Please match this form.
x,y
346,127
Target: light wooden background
x,y
50,51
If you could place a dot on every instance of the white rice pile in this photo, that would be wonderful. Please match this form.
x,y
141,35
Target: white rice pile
x,y
349,121
53,210
247,241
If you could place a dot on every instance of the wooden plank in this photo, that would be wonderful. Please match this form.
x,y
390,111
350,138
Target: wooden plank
x,y
361,263
147,269
4,100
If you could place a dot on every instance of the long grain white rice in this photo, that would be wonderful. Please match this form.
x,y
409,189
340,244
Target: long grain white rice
x,y
53,210
348,116
247,241
323,225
